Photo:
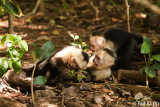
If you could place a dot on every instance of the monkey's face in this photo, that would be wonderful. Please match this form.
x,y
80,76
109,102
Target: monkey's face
x,y
97,43
72,65
78,61
103,60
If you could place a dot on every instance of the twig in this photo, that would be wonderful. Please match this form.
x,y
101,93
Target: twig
x,y
134,13
8,87
62,102
95,8
35,8
40,38
149,5
32,95
127,13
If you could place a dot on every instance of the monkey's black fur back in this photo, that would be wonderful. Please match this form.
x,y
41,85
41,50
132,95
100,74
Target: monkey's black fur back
x,y
125,44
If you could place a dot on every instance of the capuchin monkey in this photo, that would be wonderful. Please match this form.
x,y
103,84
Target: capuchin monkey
x,y
69,58
100,64
56,67
120,42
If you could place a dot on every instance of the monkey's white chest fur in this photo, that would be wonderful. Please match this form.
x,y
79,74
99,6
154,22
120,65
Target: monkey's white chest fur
x,y
101,74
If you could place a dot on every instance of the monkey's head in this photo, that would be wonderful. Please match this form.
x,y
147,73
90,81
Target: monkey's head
x,y
97,43
104,59
79,61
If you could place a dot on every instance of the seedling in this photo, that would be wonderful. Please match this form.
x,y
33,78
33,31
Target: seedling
x,y
77,42
40,54
151,66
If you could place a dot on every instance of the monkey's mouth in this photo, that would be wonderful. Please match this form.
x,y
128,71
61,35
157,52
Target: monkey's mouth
x,y
96,65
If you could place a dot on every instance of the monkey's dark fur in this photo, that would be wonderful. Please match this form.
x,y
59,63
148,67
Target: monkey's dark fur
x,y
125,44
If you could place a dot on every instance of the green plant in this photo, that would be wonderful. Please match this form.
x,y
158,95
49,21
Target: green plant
x,y
15,51
40,54
77,42
80,75
152,62
12,7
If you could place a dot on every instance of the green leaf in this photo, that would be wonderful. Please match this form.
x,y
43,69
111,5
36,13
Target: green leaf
x,y
85,47
15,55
12,37
10,8
143,70
156,57
9,63
145,49
150,72
156,66
40,80
13,8
3,66
146,46
84,76
17,8
71,74
34,56
17,39
16,65
21,53
23,45
79,77
14,52
3,39
36,53
47,50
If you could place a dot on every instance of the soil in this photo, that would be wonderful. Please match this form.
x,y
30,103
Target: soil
x,y
80,18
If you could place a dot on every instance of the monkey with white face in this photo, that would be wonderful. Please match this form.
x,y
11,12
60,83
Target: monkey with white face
x,y
100,64
56,67
69,58
120,42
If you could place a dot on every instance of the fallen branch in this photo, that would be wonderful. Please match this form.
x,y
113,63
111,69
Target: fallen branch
x,y
149,5
139,77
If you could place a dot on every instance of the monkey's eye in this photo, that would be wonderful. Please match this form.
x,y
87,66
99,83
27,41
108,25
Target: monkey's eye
x,y
97,58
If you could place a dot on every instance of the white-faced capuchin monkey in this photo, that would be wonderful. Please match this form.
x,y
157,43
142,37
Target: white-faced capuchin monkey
x,y
120,42
56,67
69,58
100,65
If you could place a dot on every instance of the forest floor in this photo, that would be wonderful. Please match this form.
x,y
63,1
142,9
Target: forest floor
x,y
79,18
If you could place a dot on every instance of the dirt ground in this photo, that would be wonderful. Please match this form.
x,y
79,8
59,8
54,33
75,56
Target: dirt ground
x,y
80,18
